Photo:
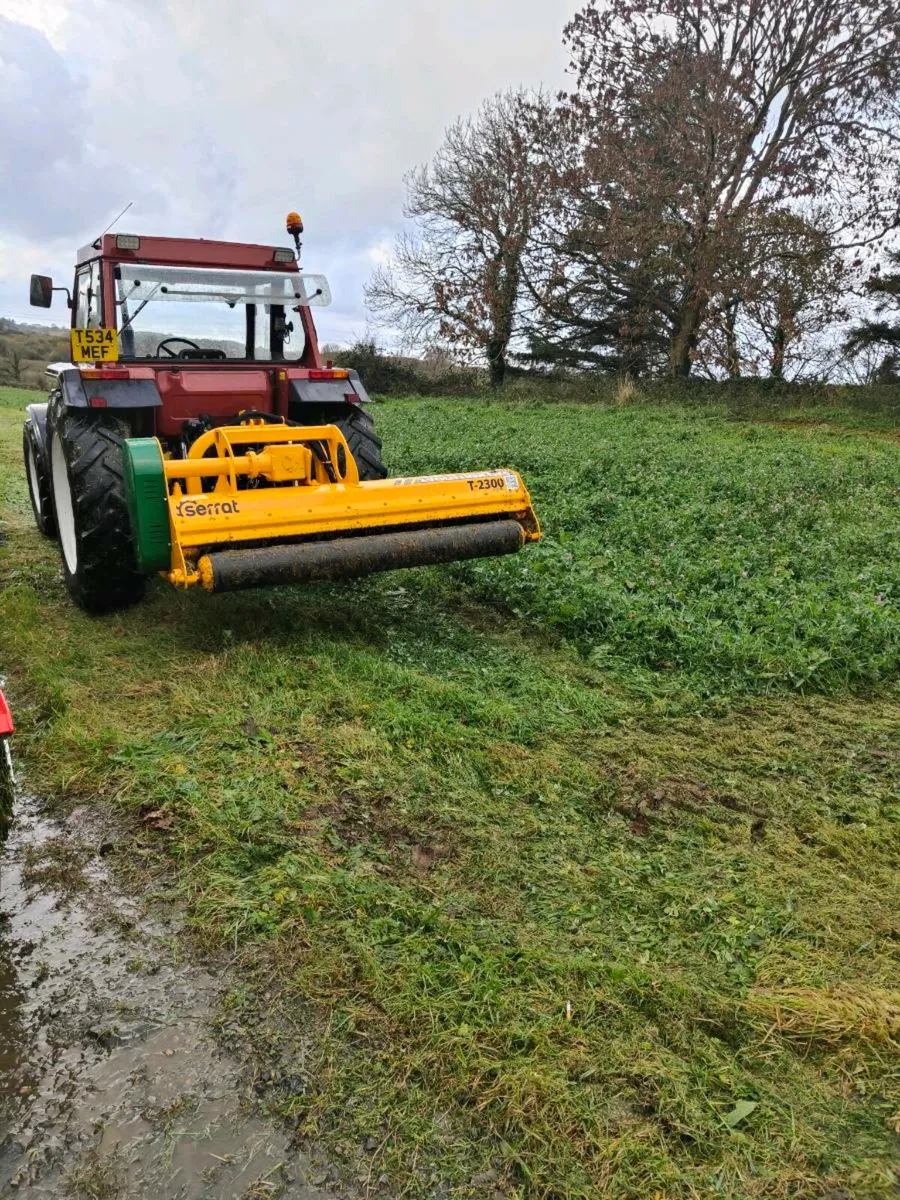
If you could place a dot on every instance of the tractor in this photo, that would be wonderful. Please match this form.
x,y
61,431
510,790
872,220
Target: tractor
x,y
198,434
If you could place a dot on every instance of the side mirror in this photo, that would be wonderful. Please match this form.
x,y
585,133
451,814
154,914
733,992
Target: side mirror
x,y
41,291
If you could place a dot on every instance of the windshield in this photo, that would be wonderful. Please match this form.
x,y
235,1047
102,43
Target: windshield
x,y
187,313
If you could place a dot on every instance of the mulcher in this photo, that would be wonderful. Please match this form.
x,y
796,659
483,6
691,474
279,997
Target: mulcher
x,y
198,434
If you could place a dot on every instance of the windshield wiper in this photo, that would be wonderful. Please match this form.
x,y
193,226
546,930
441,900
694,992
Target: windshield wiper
x,y
140,308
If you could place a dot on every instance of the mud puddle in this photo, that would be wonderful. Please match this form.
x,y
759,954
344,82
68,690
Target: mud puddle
x,y
111,1083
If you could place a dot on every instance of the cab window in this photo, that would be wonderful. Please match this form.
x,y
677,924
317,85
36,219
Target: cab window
x,y
87,297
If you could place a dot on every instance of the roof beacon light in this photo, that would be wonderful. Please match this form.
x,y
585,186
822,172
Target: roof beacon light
x,y
294,226
127,241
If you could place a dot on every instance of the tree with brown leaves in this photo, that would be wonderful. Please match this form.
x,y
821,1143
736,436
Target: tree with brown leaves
x,y
699,116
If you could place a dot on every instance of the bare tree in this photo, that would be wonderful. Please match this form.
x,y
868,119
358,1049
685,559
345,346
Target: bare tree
x,y
710,112
797,289
792,289
457,279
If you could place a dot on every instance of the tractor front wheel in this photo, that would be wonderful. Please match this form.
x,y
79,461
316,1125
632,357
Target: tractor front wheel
x,y
38,482
93,525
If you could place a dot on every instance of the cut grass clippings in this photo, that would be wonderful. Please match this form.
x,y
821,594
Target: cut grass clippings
x,y
536,896
858,1014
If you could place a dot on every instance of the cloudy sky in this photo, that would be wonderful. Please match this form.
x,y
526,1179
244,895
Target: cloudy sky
x,y
217,116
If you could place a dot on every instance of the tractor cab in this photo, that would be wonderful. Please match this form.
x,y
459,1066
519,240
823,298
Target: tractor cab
x,y
218,327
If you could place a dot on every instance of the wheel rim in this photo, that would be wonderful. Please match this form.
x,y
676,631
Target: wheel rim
x,y
34,483
62,498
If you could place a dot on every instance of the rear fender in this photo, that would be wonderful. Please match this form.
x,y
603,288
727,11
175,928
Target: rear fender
x,y
36,417
78,390
329,391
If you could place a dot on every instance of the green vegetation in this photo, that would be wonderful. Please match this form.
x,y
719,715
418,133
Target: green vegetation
x,y
25,351
559,876
730,557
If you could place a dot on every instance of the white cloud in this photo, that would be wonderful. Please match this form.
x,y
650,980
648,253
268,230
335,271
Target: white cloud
x,y
49,16
216,117
381,253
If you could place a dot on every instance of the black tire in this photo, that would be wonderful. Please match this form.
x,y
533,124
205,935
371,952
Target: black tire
x,y
92,520
357,427
37,473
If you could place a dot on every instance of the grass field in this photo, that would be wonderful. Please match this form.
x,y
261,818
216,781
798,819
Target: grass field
x,y
567,875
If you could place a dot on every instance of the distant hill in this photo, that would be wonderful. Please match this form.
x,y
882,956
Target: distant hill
x,y
7,325
25,350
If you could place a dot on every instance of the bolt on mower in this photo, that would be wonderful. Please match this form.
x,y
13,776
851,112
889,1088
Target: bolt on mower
x,y
198,434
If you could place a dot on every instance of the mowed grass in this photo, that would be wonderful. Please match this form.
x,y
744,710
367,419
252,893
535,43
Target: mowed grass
x,y
567,875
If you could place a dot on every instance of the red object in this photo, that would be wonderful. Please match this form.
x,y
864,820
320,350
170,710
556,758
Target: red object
x,y
6,721
189,389
98,401
186,252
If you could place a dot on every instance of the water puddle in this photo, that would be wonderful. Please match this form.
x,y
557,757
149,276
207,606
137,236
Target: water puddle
x,y
111,1084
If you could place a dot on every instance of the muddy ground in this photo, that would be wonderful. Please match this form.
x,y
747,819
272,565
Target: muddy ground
x,y
112,1081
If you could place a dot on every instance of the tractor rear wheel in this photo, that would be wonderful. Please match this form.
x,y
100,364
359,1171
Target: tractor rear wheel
x,y
95,537
359,429
39,490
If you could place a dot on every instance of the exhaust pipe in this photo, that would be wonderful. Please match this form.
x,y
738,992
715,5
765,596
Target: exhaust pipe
x,y
350,557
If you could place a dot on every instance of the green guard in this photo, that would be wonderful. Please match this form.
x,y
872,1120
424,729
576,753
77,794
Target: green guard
x,y
145,488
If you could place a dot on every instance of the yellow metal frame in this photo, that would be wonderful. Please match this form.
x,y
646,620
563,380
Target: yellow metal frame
x,y
313,488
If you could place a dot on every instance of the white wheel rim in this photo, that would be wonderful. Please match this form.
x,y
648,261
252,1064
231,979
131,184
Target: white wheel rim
x,y
33,481
62,498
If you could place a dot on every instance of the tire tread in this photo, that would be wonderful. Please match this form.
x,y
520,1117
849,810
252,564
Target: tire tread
x,y
358,428
106,577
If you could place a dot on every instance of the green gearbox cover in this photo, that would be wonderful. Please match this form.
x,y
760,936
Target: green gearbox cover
x,y
145,488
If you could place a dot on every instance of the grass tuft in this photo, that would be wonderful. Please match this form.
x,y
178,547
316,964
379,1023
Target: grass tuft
x,y
626,392
829,1017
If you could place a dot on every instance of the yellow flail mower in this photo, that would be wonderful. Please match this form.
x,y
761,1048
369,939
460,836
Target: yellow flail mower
x,y
198,433
258,503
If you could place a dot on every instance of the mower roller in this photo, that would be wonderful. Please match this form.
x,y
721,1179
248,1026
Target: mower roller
x,y
199,435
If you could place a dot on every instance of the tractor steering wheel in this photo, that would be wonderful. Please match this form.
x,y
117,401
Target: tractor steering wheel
x,y
164,345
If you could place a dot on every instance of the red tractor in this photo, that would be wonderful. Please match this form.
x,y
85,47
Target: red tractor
x,y
198,434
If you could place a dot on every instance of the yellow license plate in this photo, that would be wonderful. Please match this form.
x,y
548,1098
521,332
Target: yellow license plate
x,y
95,345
